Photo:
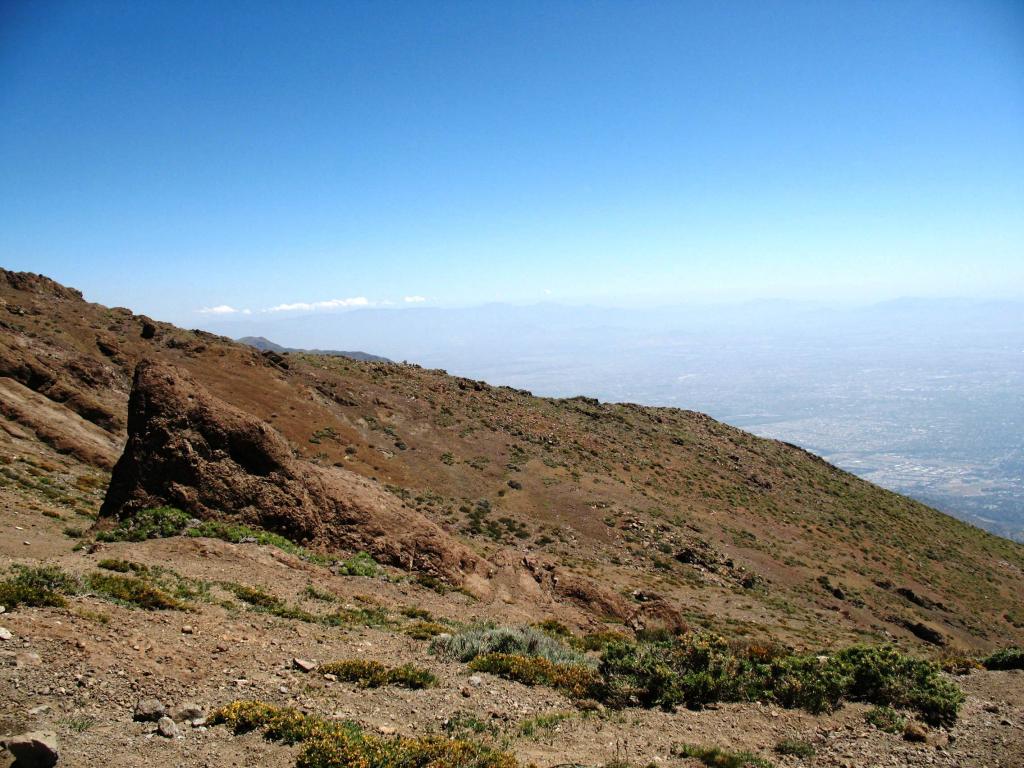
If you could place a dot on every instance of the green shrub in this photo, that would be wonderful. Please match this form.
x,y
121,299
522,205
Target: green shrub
x,y
883,675
256,597
329,744
413,612
319,594
1007,658
795,747
360,564
121,566
425,630
575,680
38,586
159,522
716,757
132,591
598,641
885,718
236,533
696,669
521,641
373,674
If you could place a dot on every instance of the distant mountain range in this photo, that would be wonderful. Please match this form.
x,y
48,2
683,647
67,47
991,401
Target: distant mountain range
x,y
264,344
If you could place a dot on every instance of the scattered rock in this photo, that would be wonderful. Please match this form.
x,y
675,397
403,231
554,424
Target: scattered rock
x,y
166,727
5,634
149,710
303,665
187,630
37,749
476,681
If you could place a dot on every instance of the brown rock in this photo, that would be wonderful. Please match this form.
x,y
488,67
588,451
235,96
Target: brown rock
x,y
189,449
915,732
37,749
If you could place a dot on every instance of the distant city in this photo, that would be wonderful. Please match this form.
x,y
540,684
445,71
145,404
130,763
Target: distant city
x,y
925,397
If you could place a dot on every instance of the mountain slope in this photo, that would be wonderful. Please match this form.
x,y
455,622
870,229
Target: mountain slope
x,y
716,527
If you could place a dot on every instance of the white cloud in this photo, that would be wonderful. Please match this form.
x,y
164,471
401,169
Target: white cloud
x,y
414,299
303,306
221,309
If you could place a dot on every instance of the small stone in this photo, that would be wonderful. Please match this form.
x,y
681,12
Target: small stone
x,y
37,749
149,710
466,692
187,630
914,732
387,730
1004,721
166,727
189,711
27,659
5,634
303,665
330,678
476,681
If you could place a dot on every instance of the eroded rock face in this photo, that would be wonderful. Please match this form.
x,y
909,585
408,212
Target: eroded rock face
x,y
189,449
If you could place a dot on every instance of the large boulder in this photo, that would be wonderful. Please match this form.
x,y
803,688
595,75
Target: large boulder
x,y
189,449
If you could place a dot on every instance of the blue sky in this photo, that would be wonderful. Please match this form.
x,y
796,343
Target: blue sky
x,y
178,156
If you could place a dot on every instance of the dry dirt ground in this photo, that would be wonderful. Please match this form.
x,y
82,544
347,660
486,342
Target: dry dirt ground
x,y
79,670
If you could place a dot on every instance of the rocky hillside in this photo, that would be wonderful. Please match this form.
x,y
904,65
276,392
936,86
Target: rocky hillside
x,y
603,524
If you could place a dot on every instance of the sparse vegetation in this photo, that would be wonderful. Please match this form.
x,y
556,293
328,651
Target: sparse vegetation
x,y
373,674
575,680
132,591
44,585
716,757
885,718
360,564
330,744
795,748
520,641
158,522
1007,658
698,669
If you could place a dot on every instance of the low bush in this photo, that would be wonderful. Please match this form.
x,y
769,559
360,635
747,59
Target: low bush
x,y
330,744
575,680
795,748
159,522
698,669
132,591
1007,658
716,757
39,586
520,641
360,564
121,566
373,674
885,718
425,630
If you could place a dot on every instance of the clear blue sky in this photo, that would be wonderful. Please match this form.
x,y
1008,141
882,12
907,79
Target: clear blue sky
x,y
177,156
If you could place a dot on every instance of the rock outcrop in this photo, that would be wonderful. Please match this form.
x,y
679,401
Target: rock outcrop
x,y
189,449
